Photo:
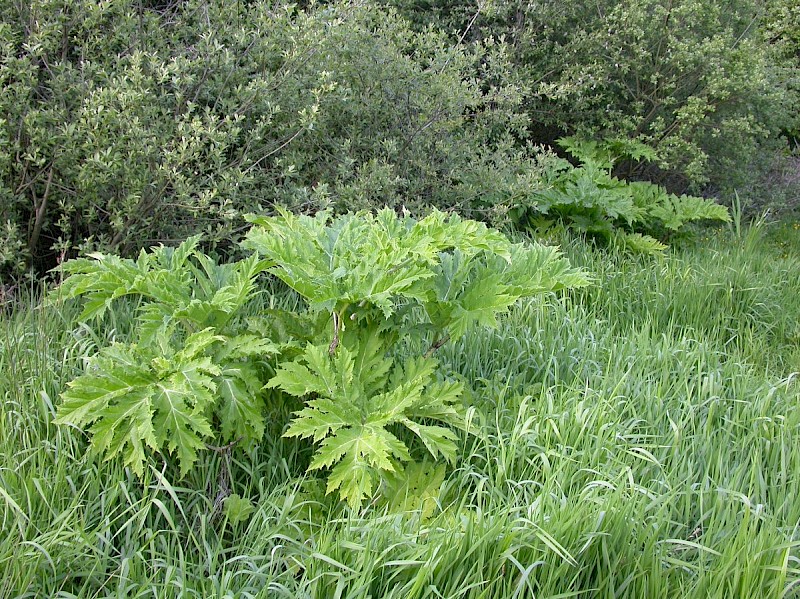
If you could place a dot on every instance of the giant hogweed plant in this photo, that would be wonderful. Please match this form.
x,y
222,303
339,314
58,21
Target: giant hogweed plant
x,y
370,283
382,280
590,199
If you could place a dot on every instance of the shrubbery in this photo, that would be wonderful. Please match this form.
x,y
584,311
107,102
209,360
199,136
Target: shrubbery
x,y
702,83
127,123
783,32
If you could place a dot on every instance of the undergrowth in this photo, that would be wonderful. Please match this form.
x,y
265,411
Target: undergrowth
x,y
638,438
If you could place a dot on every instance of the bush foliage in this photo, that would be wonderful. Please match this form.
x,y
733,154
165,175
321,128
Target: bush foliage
x,y
702,83
128,123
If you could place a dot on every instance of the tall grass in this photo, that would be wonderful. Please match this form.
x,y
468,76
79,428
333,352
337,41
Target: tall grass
x,y
637,439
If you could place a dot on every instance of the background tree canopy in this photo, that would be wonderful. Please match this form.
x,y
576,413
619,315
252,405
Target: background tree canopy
x,y
704,83
129,122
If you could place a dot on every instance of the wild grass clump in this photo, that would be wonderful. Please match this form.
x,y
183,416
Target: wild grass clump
x,y
640,438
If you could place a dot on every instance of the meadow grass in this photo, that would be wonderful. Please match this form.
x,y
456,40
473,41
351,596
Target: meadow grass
x,y
639,438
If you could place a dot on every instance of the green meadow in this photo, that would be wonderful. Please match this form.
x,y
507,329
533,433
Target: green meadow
x,y
636,438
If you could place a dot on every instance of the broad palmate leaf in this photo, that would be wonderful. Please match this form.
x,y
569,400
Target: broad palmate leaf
x,y
358,259
473,290
351,426
176,284
673,211
134,400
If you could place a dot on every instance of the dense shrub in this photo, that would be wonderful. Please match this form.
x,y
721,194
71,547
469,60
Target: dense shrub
x,y
782,24
126,123
700,82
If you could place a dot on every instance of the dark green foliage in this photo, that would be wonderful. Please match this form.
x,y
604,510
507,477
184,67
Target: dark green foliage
x,y
782,23
125,124
590,199
703,83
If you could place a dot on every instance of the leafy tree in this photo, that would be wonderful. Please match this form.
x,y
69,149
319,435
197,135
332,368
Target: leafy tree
x,y
128,123
697,81
782,24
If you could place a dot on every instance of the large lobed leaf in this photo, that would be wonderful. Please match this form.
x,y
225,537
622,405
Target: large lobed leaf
x,y
378,274
461,272
673,211
178,283
473,290
351,426
362,258
590,199
134,399
176,388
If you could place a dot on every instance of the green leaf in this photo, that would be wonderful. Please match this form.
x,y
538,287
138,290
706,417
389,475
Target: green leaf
x,y
674,211
125,429
473,292
237,509
366,276
169,280
441,401
240,405
246,346
295,379
374,444
481,300
370,364
362,259
416,487
608,151
178,419
115,393
321,417
643,244
437,439
313,372
405,388
354,479
536,269
134,401
350,424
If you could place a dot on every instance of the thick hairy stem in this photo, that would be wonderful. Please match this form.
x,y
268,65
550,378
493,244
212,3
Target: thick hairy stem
x,y
224,478
335,342
436,345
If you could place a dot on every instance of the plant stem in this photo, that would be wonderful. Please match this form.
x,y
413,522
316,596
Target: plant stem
x,y
436,345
